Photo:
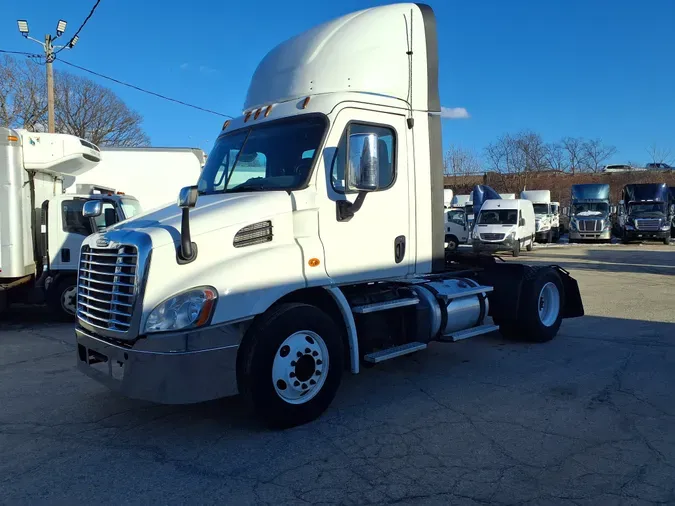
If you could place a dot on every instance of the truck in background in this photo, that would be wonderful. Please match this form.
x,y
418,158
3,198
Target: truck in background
x,y
275,285
41,228
672,200
504,225
546,228
152,175
645,212
589,213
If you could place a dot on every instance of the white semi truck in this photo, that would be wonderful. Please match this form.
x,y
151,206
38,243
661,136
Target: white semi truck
x,y
41,228
547,222
331,256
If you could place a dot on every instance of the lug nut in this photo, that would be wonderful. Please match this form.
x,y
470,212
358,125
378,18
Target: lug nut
x,y
318,362
292,374
312,382
304,386
299,354
292,363
318,373
307,350
297,383
315,353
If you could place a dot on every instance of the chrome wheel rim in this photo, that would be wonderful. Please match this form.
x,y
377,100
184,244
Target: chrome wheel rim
x,y
549,304
300,367
68,299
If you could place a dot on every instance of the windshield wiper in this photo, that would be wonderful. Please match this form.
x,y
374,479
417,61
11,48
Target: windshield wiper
x,y
248,187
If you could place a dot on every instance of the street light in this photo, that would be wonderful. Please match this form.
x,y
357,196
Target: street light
x,y
60,27
23,27
73,41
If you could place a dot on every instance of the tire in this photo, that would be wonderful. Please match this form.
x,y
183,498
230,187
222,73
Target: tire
x,y
624,238
549,237
529,245
516,249
62,298
534,324
273,382
453,242
666,240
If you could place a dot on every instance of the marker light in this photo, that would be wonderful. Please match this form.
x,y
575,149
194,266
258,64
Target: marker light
x,y
248,115
226,124
257,113
268,110
305,102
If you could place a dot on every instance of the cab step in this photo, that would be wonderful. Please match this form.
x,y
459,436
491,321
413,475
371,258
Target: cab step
x,y
396,351
472,332
385,305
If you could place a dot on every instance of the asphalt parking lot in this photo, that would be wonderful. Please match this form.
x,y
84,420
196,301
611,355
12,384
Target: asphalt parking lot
x,y
588,418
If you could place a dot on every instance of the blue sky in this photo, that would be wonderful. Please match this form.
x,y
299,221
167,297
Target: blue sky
x,y
591,68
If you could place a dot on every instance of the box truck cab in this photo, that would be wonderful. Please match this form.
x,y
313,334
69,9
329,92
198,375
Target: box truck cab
x,y
505,225
547,226
42,229
329,255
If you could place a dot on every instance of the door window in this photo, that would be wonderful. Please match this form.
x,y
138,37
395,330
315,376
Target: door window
x,y
456,217
107,218
72,220
386,155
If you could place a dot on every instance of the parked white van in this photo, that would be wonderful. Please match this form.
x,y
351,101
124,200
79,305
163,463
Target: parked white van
x,y
504,225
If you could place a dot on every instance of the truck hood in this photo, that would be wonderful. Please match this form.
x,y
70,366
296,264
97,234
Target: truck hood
x,y
212,212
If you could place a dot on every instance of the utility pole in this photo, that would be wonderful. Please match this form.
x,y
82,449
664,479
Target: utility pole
x,y
50,51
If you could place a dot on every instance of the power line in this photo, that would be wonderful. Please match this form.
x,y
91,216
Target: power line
x,y
24,53
145,91
91,13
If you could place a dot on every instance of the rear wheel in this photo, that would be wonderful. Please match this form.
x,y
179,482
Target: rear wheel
x,y
291,365
540,310
62,298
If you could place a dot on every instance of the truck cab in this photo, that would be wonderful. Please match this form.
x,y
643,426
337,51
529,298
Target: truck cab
x,y
645,212
589,213
311,243
547,222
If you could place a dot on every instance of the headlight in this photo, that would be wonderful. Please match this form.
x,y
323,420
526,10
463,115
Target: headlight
x,y
629,226
190,309
665,226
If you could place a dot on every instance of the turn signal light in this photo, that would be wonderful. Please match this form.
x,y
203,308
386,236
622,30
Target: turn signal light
x,y
314,262
305,102
12,138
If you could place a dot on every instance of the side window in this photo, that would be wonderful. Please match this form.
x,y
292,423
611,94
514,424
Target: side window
x,y
386,155
456,217
107,218
72,220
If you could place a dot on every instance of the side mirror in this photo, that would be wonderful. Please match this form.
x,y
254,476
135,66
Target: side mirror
x,y
521,222
612,209
92,208
187,198
363,163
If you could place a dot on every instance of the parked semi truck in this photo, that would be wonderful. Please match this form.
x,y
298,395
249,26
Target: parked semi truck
x,y
273,286
41,228
645,212
589,213
152,174
547,224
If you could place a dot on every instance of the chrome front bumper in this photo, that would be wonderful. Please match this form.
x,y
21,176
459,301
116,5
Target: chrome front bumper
x,y
605,235
172,368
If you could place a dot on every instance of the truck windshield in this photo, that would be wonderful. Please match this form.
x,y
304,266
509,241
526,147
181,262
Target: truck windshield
x,y
589,209
131,207
263,157
540,208
648,207
498,217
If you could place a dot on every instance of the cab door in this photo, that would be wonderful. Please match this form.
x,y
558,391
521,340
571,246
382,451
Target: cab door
x,y
375,242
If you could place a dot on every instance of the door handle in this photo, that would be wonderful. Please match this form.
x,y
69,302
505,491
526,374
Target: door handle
x,y
399,249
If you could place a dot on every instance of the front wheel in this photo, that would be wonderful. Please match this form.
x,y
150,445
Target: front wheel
x,y
516,249
666,240
62,298
291,364
451,243
529,244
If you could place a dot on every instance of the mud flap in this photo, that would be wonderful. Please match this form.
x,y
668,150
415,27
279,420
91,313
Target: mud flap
x,y
574,306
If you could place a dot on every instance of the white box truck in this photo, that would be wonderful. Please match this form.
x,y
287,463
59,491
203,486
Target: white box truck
x,y
42,229
504,225
152,175
271,287
548,224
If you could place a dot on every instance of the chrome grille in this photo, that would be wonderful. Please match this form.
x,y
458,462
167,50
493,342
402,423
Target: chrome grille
x,y
590,225
648,224
107,287
492,237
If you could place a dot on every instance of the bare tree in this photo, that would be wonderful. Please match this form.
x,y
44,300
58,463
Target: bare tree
x,y
574,150
660,155
517,156
556,157
596,153
458,161
82,107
